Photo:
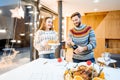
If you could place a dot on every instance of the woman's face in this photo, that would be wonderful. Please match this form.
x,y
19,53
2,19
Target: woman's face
x,y
49,23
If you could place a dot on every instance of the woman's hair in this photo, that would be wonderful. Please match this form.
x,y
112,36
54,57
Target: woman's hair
x,y
76,14
43,27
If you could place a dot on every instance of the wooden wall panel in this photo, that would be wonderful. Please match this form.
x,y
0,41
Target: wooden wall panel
x,y
55,23
100,48
112,26
109,31
112,43
100,37
93,20
113,50
69,25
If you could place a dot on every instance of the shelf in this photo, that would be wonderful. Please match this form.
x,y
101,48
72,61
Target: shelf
x,y
113,50
112,43
113,38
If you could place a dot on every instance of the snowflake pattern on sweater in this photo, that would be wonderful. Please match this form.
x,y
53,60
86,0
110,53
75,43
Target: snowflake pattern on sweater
x,y
41,37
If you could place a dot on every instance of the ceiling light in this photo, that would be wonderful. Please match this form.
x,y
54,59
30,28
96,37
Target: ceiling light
x,y
30,23
2,30
22,34
96,1
54,17
42,16
40,6
29,7
95,9
35,0
67,14
31,34
26,23
30,11
0,11
13,41
18,41
35,12
38,22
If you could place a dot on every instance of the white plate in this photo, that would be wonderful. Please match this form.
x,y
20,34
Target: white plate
x,y
53,44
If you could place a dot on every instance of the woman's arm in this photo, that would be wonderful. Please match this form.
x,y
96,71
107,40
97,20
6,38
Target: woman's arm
x,y
38,40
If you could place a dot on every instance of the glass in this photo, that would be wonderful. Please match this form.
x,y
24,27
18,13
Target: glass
x,y
62,54
106,57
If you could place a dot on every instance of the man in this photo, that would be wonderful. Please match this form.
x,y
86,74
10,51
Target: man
x,y
83,36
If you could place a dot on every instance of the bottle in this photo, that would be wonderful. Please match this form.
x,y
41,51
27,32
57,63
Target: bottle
x,y
74,47
62,54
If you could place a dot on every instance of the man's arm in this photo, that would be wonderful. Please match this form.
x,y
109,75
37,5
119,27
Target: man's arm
x,y
92,41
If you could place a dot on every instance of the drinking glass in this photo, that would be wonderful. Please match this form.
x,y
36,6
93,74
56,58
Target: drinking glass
x,y
106,57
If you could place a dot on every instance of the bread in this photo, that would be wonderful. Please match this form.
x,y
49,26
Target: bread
x,y
52,42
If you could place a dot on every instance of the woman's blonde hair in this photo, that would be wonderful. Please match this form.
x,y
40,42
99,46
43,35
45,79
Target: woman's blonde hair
x,y
43,27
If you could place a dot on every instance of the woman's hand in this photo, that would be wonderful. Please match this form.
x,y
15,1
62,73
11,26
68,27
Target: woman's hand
x,y
46,46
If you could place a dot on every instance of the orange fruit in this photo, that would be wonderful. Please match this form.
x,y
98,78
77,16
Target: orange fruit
x,y
78,78
66,72
102,75
97,78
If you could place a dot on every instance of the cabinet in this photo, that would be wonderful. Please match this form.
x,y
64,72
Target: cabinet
x,y
112,45
112,32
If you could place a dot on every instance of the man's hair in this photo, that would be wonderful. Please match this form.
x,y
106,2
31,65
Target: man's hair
x,y
76,14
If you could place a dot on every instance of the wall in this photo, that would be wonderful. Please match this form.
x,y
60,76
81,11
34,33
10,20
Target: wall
x,y
55,23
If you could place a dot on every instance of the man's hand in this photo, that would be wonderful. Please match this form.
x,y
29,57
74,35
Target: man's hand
x,y
69,42
80,49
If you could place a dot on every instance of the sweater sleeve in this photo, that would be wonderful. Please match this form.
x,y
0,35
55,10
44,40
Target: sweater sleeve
x,y
38,41
56,36
92,40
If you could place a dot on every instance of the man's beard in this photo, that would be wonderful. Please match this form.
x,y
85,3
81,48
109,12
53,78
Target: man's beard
x,y
78,24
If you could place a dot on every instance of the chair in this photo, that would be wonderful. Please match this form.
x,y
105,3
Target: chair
x,y
117,58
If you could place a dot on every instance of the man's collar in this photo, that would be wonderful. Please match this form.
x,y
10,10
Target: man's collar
x,y
80,27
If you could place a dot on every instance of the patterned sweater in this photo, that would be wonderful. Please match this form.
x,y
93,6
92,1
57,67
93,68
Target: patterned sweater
x,y
41,37
83,36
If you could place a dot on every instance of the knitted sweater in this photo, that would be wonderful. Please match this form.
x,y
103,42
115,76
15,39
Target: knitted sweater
x,y
41,37
83,36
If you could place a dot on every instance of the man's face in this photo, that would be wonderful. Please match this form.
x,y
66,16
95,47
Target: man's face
x,y
76,21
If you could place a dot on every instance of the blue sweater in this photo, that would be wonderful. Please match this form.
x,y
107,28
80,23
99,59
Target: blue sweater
x,y
83,36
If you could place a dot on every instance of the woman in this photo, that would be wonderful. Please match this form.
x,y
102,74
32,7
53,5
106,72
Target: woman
x,y
42,36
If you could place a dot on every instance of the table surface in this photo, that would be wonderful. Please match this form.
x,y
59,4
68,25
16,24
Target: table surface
x,y
110,61
45,69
